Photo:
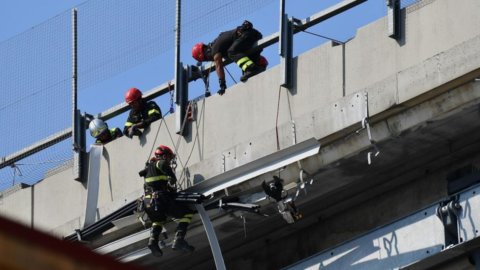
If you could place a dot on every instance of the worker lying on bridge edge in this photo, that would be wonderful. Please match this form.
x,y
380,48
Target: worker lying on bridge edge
x,y
100,131
159,200
234,44
142,113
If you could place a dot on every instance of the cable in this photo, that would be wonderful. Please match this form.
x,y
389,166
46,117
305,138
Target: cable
x,y
276,120
156,136
179,137
194,142
163,120
230,75
325,37
40,163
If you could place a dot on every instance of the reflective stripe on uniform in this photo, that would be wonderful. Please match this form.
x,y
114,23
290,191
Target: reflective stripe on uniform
x,y
152,111
243,60
244,63
156,178
128,124
186,218
157,224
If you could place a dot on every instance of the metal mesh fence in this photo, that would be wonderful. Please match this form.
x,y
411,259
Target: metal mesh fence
x,y
201,17
114,36
35,95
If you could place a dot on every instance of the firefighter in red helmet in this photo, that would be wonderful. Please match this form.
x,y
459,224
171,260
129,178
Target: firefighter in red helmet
x,y
142,113
234,44
160,188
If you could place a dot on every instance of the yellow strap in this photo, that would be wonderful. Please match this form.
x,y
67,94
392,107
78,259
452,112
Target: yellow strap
x,y
152,111
186,220
156,178
243,60
246,65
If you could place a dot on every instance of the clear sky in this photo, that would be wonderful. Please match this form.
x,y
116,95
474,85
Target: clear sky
x,y
20,15
17,16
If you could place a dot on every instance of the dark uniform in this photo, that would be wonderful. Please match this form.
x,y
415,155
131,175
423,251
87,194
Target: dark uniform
x,y
235,44
109,136
159,201
148,113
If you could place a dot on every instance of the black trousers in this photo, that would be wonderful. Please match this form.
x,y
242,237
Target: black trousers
x,y
163,206
243,44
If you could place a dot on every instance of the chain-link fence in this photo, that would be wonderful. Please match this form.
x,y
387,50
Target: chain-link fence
x,y
35,96
113,37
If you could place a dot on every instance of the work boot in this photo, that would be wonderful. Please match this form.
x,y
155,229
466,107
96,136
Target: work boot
x,y
251,71
179,242
153,242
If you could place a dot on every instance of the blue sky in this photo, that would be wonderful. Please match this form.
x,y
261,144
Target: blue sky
x,y
18,16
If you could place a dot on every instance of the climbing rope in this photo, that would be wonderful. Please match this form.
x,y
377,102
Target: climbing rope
x,y
176,145
156,135
276,120
171,110
230,75
325,37
193,146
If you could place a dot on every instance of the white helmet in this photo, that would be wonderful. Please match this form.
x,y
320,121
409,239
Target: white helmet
x,y
97,127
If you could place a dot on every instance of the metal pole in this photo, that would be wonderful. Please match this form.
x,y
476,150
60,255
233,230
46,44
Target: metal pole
x,y
343,70
281,26
393,18
178,102
212,237
76,125
74,76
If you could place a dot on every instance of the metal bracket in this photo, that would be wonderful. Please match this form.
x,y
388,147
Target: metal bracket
x,y
285,204
285,50
181,98
199,72
447,212
393,18
233,203
79,236
250,207
302,184
366,125
376,152
288,210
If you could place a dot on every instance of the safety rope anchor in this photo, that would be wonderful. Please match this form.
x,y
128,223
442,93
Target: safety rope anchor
x,y
376,151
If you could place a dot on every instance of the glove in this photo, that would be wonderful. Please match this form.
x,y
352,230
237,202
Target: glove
x,y
133,131
223,86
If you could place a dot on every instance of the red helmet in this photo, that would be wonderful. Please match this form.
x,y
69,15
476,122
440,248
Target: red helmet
x,y
262,61
164,152
197,52
133,94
